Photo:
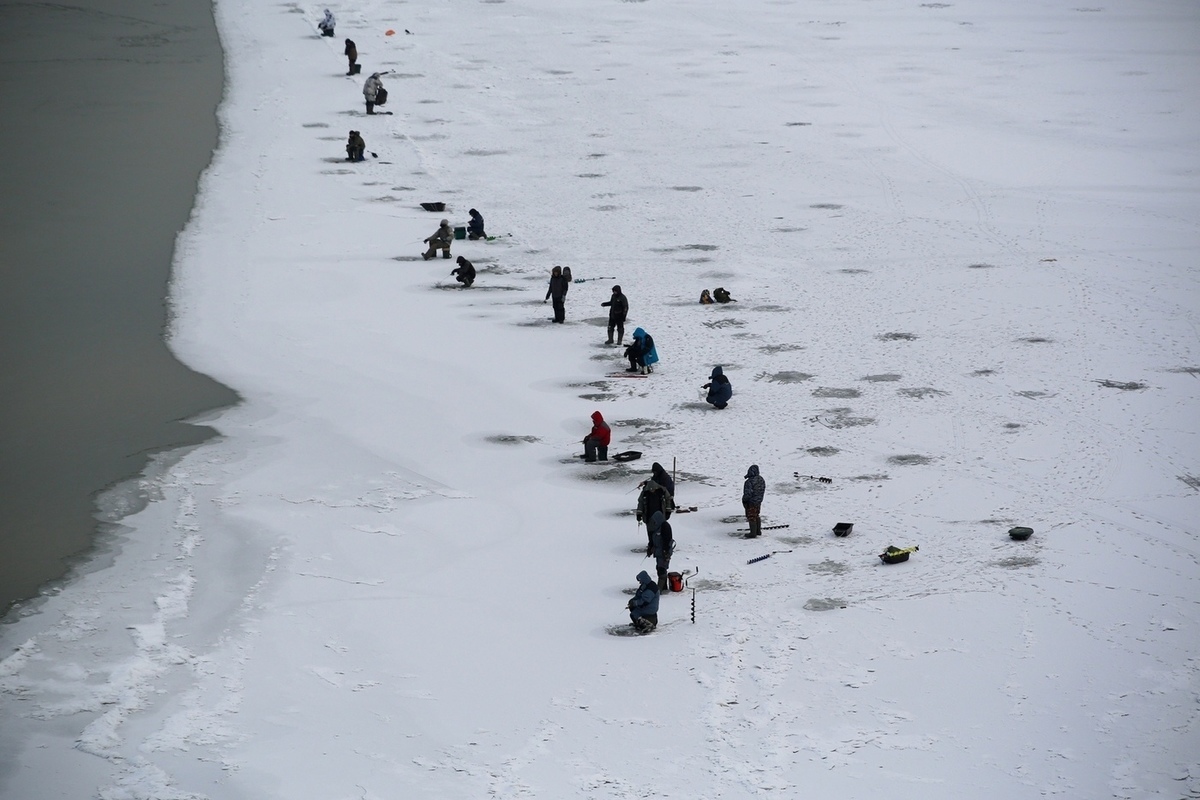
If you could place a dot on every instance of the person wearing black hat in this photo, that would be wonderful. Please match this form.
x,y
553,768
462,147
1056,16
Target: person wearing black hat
x,y
475,226
355,147
464,272
618,308
752,496
351,53
557,291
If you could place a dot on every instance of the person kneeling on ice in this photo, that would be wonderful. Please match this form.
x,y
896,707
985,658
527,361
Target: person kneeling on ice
x,y
326,24
752,496
663,542
595,444
475,226
464,273
643,606
356,148
719,388
440,240
372,90
642,353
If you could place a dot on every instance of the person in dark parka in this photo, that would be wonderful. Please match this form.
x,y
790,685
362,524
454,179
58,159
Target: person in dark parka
x,y
719,388
660,476
643,606
464,273
440,240
618,309
356,147
654,499
752,496
557,291
475,226
595,444
351,53
663,543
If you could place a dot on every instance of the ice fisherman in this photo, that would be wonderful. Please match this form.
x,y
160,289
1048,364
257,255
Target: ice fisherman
x,y
663,479
356,148
595,444
618,309
705,298
371,90
439,240
643,606
464,273
752,496
557,291
654,499
351,53
662,542
641,353
326,24
722,296
475,226
719,388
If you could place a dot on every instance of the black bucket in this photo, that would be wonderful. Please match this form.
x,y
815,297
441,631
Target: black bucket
x,y
843,528
1020,533
433,206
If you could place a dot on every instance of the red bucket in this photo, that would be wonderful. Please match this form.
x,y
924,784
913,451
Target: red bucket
x,y
675,581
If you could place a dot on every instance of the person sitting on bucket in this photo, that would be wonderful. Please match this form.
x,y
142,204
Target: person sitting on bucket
x,y
326,24
722,296
643,606
595,444
642,354
464,273
440,240
356,148
705,298
475,226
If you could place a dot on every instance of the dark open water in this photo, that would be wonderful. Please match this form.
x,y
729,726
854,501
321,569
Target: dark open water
x,y
107,118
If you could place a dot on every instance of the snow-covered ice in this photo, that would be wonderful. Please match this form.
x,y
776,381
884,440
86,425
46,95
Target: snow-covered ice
x,y
963,241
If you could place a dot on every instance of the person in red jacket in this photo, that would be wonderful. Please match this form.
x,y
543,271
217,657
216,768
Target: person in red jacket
x,y
595,444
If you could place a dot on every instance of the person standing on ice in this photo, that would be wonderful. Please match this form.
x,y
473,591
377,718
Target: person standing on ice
x,y
618,309
752,496
326,24
662,542
464,272
595,444
351,53
371,90
643,606
475,226
641,353
557,291
720,390
654,499
440,240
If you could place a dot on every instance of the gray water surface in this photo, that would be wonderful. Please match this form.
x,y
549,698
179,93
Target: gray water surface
x,y
108,119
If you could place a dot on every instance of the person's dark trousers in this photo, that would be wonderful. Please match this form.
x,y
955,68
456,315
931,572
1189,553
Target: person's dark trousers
x,y
560,309
592,450
370,107
619,327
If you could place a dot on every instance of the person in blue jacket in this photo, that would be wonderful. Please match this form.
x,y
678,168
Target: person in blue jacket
x,y
719,388
475,226
642,353
643,606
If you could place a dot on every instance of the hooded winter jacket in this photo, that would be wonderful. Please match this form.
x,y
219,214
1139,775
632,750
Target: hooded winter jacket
x,y
475,224
601,433
754,488
327,23
618,306
719,388
654,498
644,343
645,602
443,236
372,86
662,478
